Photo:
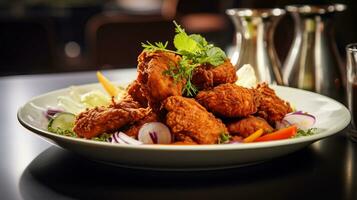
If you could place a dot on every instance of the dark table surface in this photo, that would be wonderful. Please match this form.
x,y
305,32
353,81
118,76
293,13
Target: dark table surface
x,y
31,168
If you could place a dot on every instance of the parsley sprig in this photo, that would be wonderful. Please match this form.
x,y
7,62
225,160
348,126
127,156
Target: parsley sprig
x,y
157,46
301,133
63,132
183,72
102,137
224,138
70,133
194,50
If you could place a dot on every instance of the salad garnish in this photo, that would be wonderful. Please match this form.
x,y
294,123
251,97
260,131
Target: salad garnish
x,y
224,138
194,50
153,110
308,132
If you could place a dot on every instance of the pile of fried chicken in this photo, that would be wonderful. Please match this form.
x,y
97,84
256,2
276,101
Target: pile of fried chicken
x,y
220,106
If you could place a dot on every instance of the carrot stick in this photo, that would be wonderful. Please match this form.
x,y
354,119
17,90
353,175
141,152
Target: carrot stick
x,y
284,133
254,136
108,86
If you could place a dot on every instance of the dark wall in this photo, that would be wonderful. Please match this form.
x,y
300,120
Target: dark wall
x,y
34,40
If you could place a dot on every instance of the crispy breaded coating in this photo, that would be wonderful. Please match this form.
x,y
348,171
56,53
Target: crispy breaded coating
x,y
187,117
237,138
96,121
135,92
155,84
229,100
271,107
133,130
208,76
182,139
247,126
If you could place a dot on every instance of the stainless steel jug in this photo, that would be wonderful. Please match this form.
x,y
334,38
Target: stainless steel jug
x,y
313,62
254,42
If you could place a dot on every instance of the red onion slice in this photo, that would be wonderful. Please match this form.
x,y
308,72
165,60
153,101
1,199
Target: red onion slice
x,y
129,140
302,120
51,111
155,133
282,124
117,139
122,138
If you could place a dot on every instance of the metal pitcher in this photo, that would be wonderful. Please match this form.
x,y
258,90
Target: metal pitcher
x,y
313,62
254,42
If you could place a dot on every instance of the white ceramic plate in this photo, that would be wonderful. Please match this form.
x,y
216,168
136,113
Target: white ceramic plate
x,y
331,116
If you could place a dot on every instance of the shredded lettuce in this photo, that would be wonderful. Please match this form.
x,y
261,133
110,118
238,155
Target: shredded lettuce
x,y
80,99
102,137
302,133
75,93
70,105
95,98
63,132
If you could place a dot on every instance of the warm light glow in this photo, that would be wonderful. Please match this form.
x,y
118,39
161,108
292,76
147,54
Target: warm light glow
x,y
72,49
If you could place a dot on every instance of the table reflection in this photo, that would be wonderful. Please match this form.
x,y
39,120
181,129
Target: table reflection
x,y
58,172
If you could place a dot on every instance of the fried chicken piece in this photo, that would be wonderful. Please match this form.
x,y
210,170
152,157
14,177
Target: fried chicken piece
x,y
185,142
271,107
229,100
182,139
96,121
237,138
187,118
208,76
247,126
133,130
135,91
155,84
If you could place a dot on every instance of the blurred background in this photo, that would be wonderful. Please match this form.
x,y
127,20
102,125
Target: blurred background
x,y
50,36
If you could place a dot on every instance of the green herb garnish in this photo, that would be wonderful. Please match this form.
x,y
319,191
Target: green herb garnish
x,y
184,43
102,137
224,138
194,50
302,133
63,132
183,72
157,46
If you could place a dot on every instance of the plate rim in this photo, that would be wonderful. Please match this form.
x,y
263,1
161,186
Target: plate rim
x,y
343,123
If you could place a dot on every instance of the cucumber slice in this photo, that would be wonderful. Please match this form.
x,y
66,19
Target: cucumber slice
x,y
61,122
